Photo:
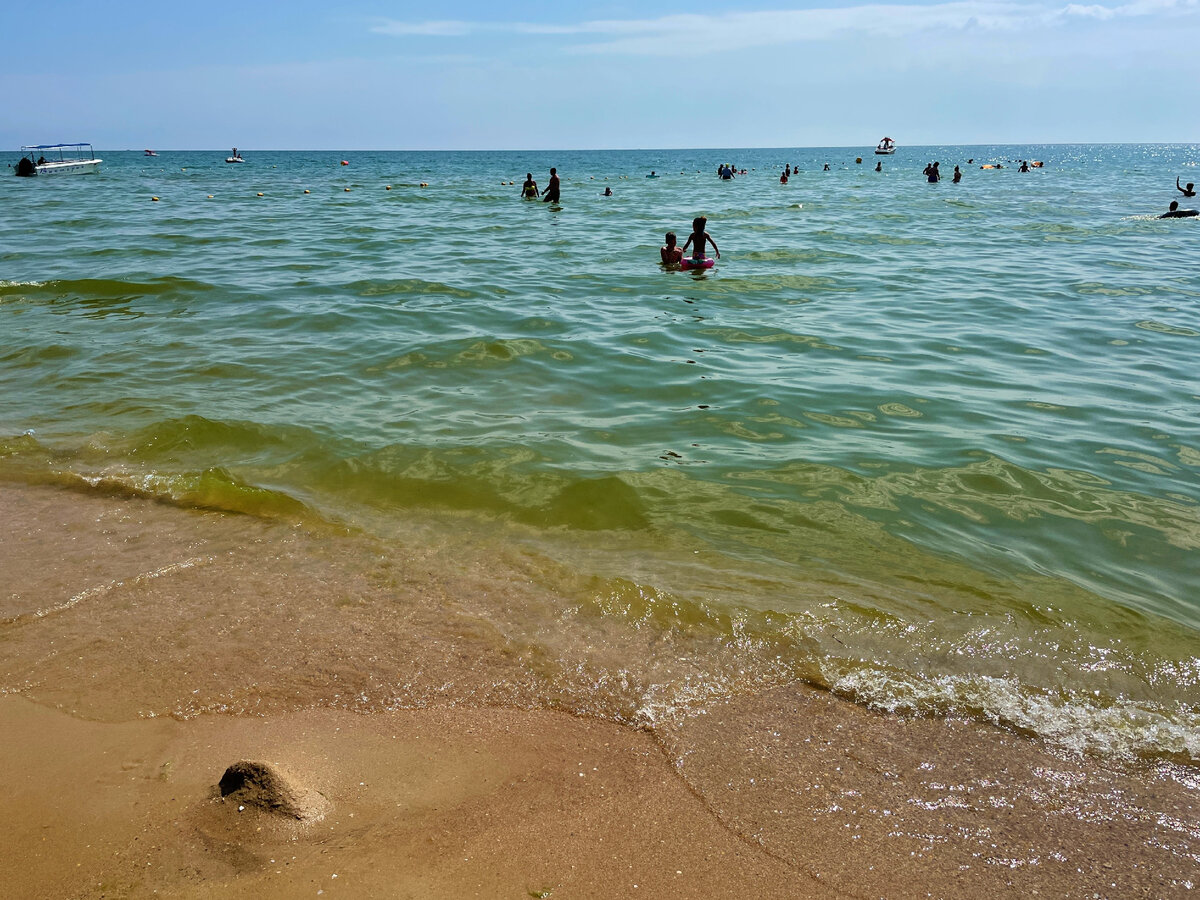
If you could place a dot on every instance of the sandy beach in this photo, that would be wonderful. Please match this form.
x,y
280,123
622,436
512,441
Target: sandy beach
x,y
145,647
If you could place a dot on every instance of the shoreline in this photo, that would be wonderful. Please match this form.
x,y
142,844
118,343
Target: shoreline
x,y
144,648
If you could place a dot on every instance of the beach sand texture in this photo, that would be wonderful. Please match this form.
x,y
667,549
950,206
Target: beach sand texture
x,y
146,647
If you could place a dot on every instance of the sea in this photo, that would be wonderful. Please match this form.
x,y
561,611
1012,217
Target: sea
x,y
932,448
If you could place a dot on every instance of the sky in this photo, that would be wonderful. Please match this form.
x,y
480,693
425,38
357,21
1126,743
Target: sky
x,y
596,75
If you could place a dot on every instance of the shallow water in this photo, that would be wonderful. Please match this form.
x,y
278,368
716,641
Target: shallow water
x,y
931,446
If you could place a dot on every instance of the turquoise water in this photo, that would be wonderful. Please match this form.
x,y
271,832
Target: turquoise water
x,y
934,447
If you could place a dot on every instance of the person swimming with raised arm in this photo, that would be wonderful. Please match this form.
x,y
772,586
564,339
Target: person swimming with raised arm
x,y
1188,191
529,190
699,238
671,255
1174,212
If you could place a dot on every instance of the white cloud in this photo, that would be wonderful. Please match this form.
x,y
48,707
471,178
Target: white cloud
x,y
694,34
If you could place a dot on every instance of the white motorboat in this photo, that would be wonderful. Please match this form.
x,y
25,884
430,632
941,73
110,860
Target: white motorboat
x,y
34,160
236,157
150,153
886,147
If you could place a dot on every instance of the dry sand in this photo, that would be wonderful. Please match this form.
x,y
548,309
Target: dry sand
x,y
144,648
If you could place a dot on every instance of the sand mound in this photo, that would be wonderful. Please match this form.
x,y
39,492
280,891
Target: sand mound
x,y
267,787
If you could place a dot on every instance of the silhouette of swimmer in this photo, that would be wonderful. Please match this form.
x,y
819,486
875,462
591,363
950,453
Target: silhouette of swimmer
x,y
1186,191
1174,212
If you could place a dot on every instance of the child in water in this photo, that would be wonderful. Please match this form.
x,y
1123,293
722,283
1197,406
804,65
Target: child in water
x,y
671,255
699,238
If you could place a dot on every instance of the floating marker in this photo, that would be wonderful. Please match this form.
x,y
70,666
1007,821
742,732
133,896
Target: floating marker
x,y
387,187
210,196
155,199
424,184
307,191
345,162
260,193
347,190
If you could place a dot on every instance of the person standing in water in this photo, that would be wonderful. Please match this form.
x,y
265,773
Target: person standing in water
x,y
1188,191
670,254
879,166
552,189
529,190
699,238
957,176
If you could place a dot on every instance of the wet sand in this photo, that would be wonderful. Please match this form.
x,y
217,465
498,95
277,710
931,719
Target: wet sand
x,y
464,741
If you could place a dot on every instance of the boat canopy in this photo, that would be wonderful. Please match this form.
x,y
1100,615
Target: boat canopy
x,y
56,146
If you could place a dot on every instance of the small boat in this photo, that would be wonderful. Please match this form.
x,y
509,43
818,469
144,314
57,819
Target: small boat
x,y
34,162
150,153
235,158
886,147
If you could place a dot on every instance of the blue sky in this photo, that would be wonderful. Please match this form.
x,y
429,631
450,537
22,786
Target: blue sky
x,y
532,75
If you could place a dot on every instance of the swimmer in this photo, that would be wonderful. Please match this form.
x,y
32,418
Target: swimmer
x,y
1024,166
826,169
699,238
670,254
1174,212
879,167
608,192
788,170
552,189
957,176
652,174
783,179
931,173
1188,191
529,190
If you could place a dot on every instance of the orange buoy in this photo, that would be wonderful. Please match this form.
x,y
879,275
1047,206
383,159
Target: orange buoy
x,y
1037,163
345,162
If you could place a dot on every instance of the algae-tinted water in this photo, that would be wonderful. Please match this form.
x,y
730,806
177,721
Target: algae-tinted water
x,y
932,446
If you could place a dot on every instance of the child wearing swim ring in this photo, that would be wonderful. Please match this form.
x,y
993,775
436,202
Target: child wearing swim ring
x,y
699,238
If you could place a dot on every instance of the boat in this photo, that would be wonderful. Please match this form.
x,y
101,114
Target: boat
x,y
150,153
886,147
35,162
235,158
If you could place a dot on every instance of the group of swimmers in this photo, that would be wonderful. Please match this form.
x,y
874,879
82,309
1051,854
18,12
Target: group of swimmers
x,y
529,190
698,240
1173,211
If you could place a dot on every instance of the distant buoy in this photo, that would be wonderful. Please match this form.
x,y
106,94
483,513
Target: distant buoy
x,y
155,199
858,160
307,191
424,184
387,187
345,162
347,190
260,193
210,196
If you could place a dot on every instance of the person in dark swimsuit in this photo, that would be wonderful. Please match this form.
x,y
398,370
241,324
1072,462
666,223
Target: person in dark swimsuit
x,y
957,176
1188,191
552,189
